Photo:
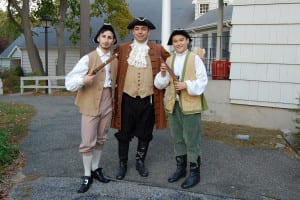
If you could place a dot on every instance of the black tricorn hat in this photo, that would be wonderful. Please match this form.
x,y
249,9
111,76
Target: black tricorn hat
x,y
105,27
141,21
179,32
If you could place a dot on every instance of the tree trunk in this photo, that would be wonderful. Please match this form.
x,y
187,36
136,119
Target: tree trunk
x,y
33,53
84,27
61,50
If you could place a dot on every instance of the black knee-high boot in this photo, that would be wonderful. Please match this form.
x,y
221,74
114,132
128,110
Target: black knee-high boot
x,y
123,158
194,177
180,172
141,153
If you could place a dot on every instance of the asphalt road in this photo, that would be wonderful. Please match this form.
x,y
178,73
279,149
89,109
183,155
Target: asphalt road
x,y
54,166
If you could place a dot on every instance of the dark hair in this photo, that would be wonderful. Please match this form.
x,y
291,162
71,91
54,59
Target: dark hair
x,y
179,32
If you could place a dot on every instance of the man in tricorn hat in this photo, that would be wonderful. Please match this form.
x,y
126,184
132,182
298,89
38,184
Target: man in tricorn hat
x,y
138,104
94,99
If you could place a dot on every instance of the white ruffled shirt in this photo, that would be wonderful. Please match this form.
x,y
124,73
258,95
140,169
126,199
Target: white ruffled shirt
x,y
138,54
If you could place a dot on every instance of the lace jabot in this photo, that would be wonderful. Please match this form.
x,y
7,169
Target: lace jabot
x,y
138,54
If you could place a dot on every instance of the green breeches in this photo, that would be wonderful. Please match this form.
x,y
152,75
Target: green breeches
x,y
186,133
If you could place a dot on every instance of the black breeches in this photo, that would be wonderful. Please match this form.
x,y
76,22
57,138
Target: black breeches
x,y
138,118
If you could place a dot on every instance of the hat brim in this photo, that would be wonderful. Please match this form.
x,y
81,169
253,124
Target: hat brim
x,y
144,22
105,27
178,32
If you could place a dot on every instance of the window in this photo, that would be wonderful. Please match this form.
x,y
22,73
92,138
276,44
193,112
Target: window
x,y
203,8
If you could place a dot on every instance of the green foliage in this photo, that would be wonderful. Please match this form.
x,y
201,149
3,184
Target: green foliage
x,y
297,140
297,121
11,79
8,29
73,21
45,7
18,71
14,121
117,13
112,11
7,152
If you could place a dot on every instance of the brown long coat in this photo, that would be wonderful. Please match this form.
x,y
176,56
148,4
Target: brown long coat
x,y
155,52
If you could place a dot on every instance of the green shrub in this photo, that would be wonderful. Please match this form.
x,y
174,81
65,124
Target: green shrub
x,y
297,121
14,121
18,71
7,151
11,79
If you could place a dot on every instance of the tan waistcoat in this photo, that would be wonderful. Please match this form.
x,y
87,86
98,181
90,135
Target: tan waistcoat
x,y
88,97
188,104
154,52
139,81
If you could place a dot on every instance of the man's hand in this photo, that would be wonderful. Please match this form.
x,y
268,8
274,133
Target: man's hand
x,y
163,69
180,85
88,79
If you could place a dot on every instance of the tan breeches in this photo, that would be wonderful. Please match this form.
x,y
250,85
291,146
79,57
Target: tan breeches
x,y
94,128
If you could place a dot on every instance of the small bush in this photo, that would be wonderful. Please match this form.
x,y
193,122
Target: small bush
x,y
7,151
297,121
11,79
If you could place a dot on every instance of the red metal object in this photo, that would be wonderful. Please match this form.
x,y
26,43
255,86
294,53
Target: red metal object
x,y
220,69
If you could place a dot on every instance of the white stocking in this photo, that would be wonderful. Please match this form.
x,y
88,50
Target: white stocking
x,y
96,159
87,164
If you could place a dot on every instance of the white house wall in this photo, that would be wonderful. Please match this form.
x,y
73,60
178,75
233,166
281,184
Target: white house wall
x,y
4,63
25,62
265,51
72,56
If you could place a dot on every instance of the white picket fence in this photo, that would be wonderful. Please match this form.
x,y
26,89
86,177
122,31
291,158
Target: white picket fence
x,y
52,83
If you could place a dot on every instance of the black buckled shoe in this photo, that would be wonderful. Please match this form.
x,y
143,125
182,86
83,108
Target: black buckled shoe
x,y
141,168
97,174
85,185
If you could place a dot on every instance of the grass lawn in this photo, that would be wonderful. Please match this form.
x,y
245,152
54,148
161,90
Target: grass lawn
x,y
14,121
258,137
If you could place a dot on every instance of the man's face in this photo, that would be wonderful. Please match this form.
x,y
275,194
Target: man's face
x,y
140,33
105,39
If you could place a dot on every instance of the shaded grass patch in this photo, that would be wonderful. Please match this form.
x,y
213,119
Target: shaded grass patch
x,y
226,133
14,122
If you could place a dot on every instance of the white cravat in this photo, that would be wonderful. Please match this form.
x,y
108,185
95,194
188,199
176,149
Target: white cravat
x,y
137,56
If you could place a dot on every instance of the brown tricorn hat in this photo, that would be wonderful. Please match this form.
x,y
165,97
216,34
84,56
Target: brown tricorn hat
x,y
105,27
179,32
141,21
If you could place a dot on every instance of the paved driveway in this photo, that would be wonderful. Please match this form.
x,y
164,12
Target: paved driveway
x,y
54,166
